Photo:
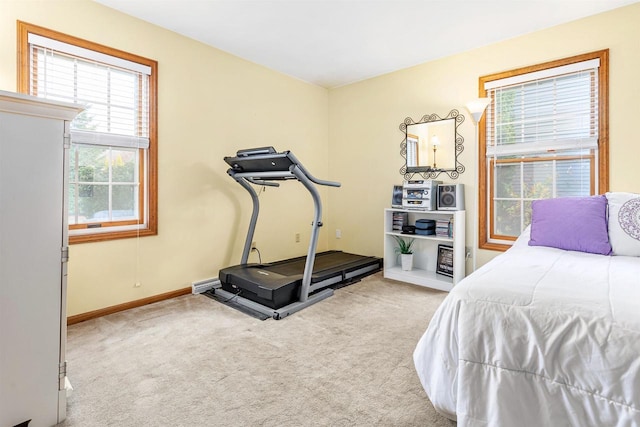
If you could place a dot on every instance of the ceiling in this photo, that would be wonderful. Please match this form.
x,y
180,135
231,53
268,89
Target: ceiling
x,y
331,43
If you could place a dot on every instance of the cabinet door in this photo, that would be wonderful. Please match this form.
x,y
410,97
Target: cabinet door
x,y
31,238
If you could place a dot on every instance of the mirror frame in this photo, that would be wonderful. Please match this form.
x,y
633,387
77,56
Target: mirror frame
x,y
428,172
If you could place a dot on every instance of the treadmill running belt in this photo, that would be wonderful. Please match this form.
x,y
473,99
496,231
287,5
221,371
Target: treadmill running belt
x,y
326,263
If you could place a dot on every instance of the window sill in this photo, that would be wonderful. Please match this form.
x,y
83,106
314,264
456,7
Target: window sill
x,y
113,235
501,247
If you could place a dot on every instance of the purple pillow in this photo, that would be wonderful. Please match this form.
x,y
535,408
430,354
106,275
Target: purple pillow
x,y
571,223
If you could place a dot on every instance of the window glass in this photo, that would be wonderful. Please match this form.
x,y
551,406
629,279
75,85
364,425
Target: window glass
x,y
508,216
537,178
508,180
104,184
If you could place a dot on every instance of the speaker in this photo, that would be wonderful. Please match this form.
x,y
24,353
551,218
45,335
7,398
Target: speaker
x,y
396,197
451,197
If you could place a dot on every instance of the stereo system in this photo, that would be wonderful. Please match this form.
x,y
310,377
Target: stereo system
x,y
451,197
420,194
428,195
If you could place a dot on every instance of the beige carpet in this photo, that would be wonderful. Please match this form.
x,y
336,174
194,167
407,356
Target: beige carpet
x,y
190,361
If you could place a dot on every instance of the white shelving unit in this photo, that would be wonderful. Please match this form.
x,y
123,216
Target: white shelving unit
x,y
425,250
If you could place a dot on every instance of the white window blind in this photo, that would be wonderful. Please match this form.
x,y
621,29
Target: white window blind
x,y
114,91
553,109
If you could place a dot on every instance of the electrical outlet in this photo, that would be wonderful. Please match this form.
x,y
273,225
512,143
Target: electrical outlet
x,y
254,246
297,237
338,233
137,285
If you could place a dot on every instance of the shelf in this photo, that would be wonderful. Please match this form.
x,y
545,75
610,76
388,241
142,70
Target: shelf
x,y
420,211
420,277
418,236
425,249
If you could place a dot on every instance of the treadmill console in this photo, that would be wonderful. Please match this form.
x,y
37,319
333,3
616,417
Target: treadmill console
x,y
264,159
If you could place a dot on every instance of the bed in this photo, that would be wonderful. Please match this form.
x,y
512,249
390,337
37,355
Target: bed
x,y
540,336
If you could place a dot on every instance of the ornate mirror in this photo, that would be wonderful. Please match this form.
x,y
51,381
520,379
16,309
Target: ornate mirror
x,y
431,146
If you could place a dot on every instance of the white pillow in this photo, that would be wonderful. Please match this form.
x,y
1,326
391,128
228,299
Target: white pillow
x,y
624,223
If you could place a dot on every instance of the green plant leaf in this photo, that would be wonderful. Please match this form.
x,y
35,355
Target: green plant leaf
x,y
404,246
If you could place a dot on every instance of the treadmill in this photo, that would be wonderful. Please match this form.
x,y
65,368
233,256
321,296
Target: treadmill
x,y
282,288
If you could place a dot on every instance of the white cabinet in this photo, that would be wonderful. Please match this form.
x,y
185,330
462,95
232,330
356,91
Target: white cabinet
x,y
425,249
33,256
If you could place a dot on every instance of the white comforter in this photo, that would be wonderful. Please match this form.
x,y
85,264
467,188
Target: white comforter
x,y
538,337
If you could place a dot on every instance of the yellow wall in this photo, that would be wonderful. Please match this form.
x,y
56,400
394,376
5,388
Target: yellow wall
x,y
364,118
210,105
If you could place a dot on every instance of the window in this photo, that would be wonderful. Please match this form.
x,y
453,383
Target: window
x,y
544,135
113,160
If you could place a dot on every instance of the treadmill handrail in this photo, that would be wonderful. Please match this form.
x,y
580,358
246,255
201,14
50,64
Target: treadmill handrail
x,y
260,175
262,182
312,178
286,175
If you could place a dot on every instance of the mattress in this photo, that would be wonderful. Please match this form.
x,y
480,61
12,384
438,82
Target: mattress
x,y
538,337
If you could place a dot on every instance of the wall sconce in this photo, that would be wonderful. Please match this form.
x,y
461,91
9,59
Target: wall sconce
x,y
476,107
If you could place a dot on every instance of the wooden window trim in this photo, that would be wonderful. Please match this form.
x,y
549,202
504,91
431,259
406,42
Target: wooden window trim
x,y
151,158
485,194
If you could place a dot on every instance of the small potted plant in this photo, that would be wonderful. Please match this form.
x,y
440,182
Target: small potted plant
x,y
405,250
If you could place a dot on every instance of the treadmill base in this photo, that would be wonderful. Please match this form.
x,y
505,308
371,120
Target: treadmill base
x,y
278,313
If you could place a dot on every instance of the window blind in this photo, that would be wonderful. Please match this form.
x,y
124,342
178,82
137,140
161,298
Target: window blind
x,y
114,91
537,113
